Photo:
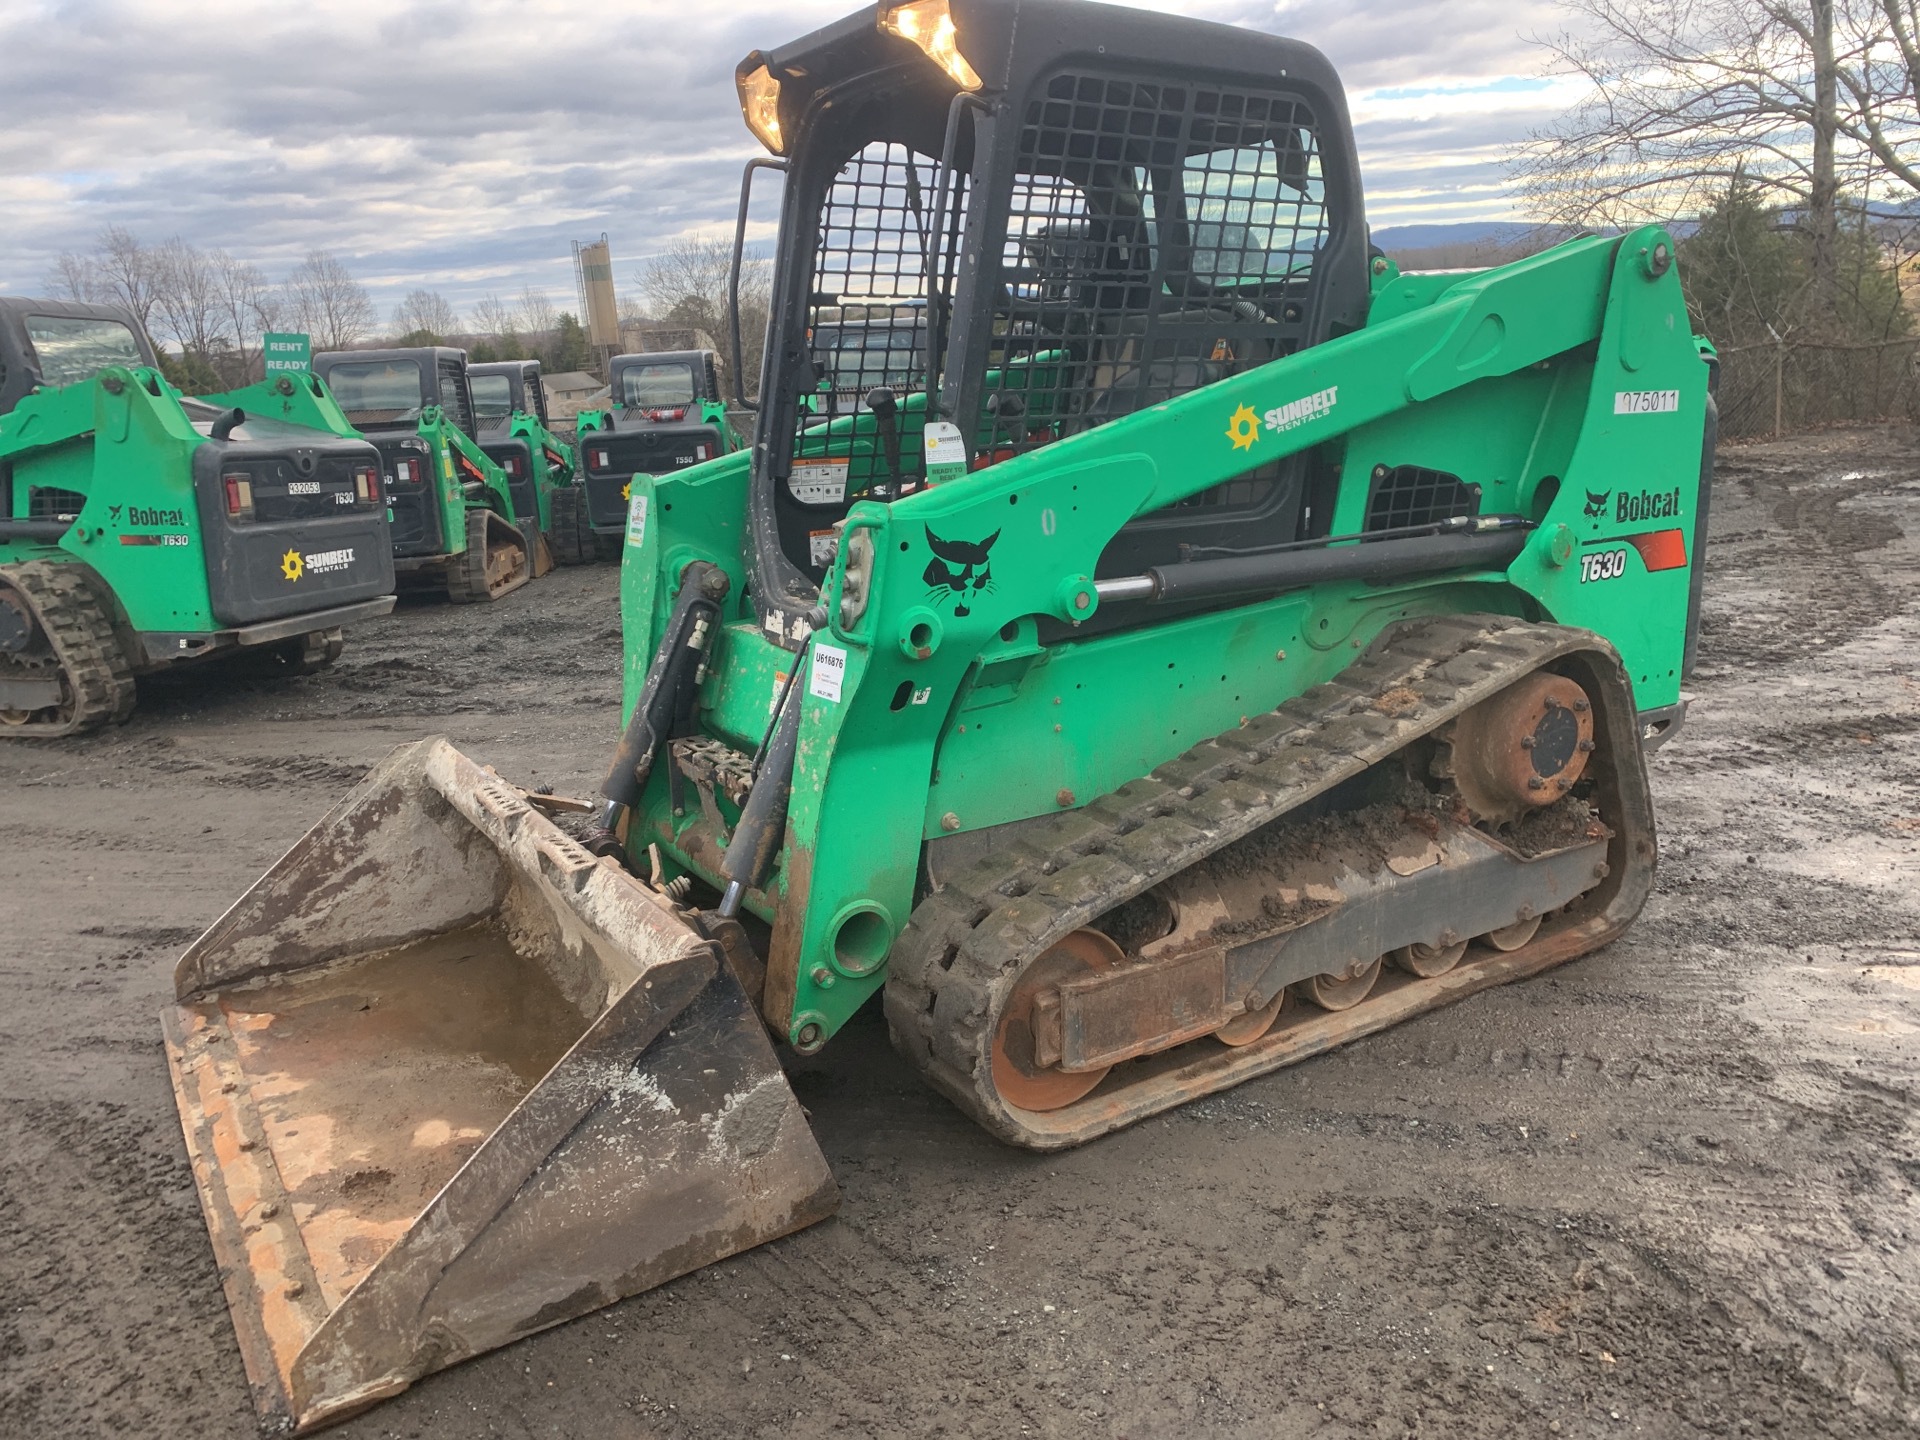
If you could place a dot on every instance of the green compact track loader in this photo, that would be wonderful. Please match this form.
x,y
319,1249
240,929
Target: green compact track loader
x,y
664,413
1227,648
510,411
455,523
142,529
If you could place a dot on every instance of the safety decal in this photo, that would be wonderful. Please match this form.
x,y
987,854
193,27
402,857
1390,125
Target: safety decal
x,y
819,482
637,520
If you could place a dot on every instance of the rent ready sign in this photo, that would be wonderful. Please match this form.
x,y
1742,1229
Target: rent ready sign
x,y
286,352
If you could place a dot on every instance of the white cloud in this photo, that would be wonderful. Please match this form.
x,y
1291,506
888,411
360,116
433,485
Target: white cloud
x,y
461,146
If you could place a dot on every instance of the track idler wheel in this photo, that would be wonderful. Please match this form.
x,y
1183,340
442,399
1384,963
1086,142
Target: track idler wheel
x,y
1524,748
1017,1074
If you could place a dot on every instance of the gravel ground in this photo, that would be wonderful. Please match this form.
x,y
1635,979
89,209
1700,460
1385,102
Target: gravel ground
x,y
1672,1189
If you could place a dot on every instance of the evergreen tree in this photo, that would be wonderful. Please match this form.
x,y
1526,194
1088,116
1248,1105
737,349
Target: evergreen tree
x,y
570,350
1748,271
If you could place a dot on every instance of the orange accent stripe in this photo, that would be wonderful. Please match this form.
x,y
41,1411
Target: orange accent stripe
x,y
1661,549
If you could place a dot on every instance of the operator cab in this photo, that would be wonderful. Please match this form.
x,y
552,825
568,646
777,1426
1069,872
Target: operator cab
x,y
1082,234
664,387
503,388
384,394
60,342
388,389
662,415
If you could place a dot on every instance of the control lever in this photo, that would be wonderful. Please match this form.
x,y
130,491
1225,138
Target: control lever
x,y
1009,412
886,417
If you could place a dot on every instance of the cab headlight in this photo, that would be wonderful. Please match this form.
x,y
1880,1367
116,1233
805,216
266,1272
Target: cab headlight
x,y
929,24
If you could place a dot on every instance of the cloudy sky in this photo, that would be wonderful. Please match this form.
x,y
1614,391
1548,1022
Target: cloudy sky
x,y
461,144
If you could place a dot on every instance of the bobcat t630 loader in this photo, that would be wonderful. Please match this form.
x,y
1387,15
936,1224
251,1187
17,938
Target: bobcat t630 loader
x,y
455,520
141,529
1234,647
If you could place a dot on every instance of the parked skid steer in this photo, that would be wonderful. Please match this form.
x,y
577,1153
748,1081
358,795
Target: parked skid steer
x,y
664,413
142,529
455,521
510,413
1231,647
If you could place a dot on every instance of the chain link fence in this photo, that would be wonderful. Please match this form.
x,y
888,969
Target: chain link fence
x,y
1777,389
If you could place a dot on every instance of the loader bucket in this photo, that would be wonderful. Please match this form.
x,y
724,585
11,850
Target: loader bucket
x,y
448,1079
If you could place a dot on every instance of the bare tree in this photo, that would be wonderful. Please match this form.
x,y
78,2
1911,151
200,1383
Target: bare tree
x,y
251,307
688,284
425,312
187,300
125,272
494,316
72,278
537,315
1804,100
327,302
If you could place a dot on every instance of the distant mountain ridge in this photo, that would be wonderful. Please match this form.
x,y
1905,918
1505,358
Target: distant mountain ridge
x,y
1464,232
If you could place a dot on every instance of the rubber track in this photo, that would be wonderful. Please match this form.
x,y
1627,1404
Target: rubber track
x,y
964,947
67,602
467,571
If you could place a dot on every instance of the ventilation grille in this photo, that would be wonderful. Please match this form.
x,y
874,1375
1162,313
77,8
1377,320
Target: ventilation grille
x,y
453,395
50,503
1159,238
1412,495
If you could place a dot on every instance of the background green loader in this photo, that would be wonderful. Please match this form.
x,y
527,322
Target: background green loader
x,y
664,413
510,411
142,529
455,523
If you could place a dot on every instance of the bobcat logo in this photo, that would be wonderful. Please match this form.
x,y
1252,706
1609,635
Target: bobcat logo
x,y
1597,504
113,513
959,568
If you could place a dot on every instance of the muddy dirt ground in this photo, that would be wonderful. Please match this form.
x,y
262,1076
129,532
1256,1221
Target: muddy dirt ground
x,y
1672,1189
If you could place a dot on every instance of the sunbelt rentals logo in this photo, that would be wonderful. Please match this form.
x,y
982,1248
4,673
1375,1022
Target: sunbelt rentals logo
x,y
293,564
1244,428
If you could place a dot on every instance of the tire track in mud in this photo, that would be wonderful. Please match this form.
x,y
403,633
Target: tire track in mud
x,y
111,1316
